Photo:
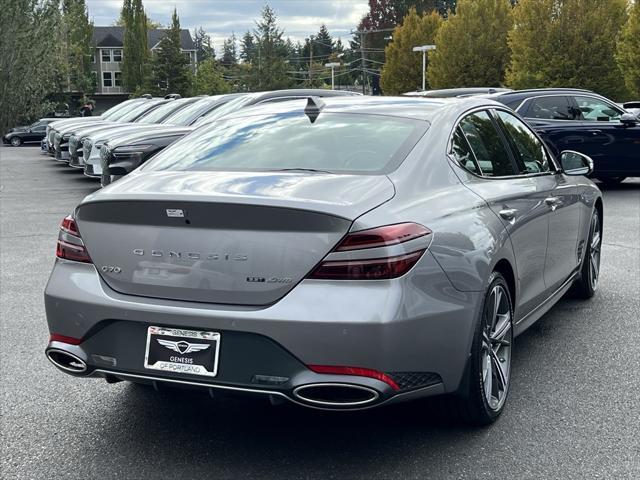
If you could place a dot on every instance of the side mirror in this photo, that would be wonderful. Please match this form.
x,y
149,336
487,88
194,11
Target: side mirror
x,y
628,119
575,163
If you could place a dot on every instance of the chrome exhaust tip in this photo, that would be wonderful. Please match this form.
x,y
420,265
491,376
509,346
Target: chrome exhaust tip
x,y
336,395
66,361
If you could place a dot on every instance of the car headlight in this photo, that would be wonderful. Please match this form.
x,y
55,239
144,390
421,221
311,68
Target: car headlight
x,y
127,149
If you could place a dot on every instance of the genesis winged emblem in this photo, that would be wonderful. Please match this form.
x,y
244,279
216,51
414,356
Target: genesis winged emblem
x,y
183,347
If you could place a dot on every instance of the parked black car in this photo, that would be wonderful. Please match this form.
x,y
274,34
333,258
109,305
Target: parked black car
x,y
581,120
32,133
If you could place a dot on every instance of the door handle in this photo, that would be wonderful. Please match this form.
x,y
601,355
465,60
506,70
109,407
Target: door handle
x,y
595,132
508,214
553,202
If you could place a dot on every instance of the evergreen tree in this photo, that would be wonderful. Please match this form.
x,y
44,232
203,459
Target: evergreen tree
x,y
209,79
567,43
78,31
270,71
403,69
323,43
229,52
204,48
248,52
628,52
471,46
135,50
171,71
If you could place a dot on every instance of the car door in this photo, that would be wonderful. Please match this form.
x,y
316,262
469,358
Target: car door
x,y
515,199
613,146
37,132
560,198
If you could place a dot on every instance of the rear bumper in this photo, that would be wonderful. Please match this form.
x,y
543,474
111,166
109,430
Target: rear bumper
x,y
419,335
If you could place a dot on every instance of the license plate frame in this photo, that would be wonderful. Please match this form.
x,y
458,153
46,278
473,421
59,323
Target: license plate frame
x,y
182,351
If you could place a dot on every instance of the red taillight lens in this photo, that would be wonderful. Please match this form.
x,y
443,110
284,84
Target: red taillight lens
x,y
382,236
70,245
357,371
54,337
372,269
69,225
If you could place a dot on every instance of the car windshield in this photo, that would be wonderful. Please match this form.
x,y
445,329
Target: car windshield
x,y
229,107
135,112
187,115
119,109
126,110
158,114
333,142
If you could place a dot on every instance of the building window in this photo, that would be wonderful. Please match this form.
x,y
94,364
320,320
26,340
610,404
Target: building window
x,y
93,57
106,55
107,80
187,55
117,55
118,79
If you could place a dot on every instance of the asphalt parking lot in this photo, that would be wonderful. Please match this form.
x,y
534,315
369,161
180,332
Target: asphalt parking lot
x,y
573,408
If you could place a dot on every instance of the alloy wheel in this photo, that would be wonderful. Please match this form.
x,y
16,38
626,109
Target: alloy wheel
x,y
594,251
497,338
15,141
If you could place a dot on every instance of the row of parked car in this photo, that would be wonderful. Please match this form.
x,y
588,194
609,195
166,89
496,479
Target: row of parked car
x,y
125,136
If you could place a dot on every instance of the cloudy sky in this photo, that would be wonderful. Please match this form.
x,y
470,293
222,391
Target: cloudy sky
x,y
298,18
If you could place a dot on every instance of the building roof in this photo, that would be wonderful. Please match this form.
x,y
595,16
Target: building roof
x,y
114,36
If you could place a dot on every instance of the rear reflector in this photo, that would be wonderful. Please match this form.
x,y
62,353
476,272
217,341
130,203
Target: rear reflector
x,y
371,269
54,337
356,371
382,236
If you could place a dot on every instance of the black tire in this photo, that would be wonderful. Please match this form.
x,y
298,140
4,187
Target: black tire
x,y
16,141
105,179
471,404
585,285
611,180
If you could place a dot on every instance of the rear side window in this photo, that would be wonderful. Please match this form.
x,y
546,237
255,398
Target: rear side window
x,y
461,151
531,156
333,142
489,149
550,108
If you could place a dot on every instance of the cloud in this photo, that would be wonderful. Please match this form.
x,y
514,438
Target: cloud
x,y
219,18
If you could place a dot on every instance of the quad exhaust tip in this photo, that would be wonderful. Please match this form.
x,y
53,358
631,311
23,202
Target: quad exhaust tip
x,y
66,361
336,395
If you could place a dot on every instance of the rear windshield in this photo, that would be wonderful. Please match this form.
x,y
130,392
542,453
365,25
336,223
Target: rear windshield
x,y
334,142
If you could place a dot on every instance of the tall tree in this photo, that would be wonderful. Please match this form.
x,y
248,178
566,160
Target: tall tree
x,y
403,69
568,43
270,71
229,52
204,47
248,52
628,52
471,47
135,53
170,68
29,59
209,79
78,31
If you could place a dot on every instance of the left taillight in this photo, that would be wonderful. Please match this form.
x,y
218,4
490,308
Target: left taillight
x,y
70,245
367,266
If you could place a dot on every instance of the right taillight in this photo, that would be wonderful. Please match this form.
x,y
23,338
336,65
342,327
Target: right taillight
x,y
370,267
70,245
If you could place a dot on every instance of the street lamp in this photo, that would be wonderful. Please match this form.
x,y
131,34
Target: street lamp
x,y
332,65
424,49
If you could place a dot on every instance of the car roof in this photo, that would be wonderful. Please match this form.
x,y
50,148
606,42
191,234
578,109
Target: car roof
x,y
455,92
404,107
534,92
300,92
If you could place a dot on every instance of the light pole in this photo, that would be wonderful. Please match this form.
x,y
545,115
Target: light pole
x,y
424,49
332,65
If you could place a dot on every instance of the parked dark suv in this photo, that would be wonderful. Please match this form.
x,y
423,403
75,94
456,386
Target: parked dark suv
x,y
581,120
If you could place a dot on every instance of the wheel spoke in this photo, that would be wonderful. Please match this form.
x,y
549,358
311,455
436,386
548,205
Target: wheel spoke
x,y
488,377
501,376
503,325
594,268
595,241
